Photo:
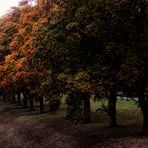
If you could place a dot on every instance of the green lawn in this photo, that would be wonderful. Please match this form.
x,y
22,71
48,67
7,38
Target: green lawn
x,y
121,104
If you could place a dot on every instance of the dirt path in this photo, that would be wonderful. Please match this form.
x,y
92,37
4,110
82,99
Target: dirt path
x,y
18,129
22,129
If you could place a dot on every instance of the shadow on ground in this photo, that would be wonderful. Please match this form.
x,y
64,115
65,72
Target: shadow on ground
x,y
22,129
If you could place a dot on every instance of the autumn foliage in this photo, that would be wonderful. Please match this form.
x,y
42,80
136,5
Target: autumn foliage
x,y
78,48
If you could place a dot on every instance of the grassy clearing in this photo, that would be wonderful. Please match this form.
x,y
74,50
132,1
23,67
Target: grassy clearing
x,y
126,104
121,104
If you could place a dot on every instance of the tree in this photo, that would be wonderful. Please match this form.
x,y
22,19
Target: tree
x,y
78,48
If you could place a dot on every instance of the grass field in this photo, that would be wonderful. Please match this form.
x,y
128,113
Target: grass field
x,y
22,129
121,104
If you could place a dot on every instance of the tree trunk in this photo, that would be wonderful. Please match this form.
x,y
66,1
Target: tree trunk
x,y
25,102
112,109
9,98
19,99
41,104
70,107
143,102
3,97
87,112
13,99
31,104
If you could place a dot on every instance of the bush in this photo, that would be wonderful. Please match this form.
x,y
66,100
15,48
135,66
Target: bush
x,y
75,110
54,104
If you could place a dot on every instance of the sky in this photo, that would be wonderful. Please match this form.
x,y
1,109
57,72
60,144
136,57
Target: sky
x,y
6,4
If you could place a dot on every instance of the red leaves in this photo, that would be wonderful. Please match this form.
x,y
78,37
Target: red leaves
x,y
25,78
19,77
5,83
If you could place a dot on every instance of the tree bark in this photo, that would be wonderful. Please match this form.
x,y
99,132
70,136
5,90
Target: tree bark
x,y
9,98
143,102
13,99
3,97
25,102
112,109
70,106
87,112
41,104
31,103
19,99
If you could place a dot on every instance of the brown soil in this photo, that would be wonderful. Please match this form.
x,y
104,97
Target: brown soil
x,y
22,129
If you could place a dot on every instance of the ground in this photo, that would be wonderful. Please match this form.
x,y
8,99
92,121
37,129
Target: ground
x,y
22,129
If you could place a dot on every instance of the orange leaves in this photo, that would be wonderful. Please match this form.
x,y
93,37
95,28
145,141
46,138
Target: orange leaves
x,y
19,77
40,20
20,48
80,82
23,32
13,45
2,36
29,79
27,18
5,83
2,70
21,63
10,58
55,8
15,63
43,20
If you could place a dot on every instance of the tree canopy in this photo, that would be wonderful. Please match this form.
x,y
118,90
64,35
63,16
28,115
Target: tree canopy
x,y
76,47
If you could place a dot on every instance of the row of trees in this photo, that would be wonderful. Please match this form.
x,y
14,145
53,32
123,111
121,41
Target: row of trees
x,y
79,48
